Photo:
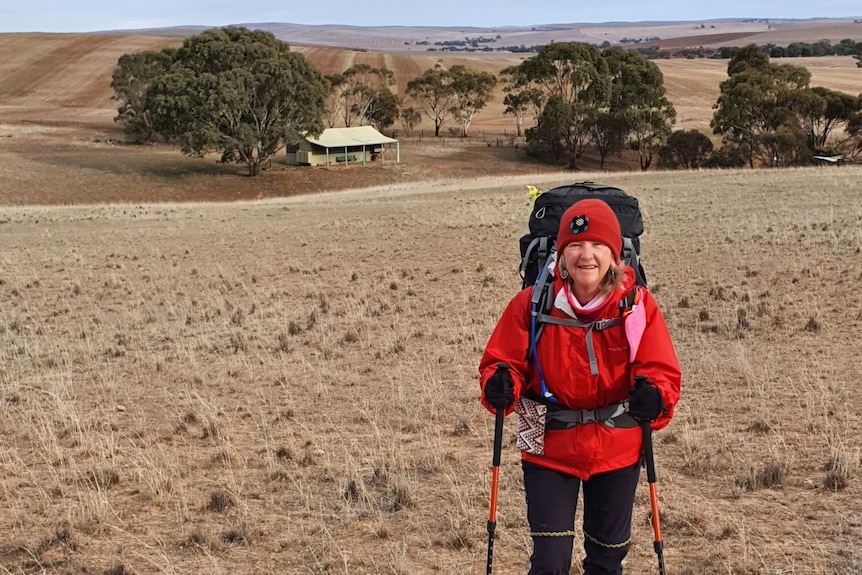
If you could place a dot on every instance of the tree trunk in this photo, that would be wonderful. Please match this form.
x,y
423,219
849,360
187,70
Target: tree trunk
x,y
646,160
253,167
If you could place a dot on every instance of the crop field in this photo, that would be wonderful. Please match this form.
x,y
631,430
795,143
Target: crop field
x,y
63,80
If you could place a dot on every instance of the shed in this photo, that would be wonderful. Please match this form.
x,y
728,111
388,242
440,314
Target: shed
x,y
357,144
836,160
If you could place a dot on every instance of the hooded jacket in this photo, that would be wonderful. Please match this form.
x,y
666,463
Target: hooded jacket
x,y
587,449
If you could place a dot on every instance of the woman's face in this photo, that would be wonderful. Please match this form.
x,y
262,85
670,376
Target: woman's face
x,y
587,264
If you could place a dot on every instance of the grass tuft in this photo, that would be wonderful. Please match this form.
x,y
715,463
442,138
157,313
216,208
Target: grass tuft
x,y
219,501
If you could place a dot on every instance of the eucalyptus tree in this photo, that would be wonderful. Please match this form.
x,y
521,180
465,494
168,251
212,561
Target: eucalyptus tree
x,y
410,118
689,150
435,93
382,110
609,133
362,91
752,106
520,97
333,106
472,91
239,92
822,112
575,76
638,103
854,129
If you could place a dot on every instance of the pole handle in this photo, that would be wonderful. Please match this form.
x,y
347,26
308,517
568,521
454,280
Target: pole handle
x,y
498,437
498,423
649,457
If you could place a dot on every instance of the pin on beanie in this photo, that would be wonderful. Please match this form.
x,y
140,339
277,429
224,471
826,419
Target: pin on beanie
x,y
590,220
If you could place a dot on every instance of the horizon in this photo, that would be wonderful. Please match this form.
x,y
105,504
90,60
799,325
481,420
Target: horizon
x,y
52,16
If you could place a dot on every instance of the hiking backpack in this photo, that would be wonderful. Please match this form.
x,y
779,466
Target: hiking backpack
x,y
539,245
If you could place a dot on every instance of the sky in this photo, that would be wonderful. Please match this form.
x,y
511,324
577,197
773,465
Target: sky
x,y
100,15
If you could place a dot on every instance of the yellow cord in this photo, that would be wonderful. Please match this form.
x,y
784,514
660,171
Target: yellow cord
x,y
586,535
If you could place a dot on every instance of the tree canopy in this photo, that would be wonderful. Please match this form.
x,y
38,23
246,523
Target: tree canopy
x,y
433,89
638,106
472,91
236,91
586,96
770,115
361,95
131,78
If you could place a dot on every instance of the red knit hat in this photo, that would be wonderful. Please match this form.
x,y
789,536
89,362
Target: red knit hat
x,y
589,221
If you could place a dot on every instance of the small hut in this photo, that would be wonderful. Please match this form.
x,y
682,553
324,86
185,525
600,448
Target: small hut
x,y
342,146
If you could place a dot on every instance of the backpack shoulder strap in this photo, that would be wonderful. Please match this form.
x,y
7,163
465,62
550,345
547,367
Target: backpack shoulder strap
x,y
628,302
540,306
630,256
541,245
541,302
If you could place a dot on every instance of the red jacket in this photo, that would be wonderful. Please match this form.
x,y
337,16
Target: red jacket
x,y
592,448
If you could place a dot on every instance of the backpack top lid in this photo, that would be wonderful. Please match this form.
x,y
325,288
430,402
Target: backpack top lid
x,y
550,206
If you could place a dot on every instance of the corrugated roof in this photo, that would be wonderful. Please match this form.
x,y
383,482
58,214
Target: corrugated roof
x,y
353,136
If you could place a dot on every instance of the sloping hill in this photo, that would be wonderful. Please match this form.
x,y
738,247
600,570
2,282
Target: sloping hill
x,y
62,81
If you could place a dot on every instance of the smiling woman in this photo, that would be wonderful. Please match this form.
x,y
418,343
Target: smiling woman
x,y
593,381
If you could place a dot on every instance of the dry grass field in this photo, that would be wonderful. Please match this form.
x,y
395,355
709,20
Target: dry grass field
x,y
289,386
202,372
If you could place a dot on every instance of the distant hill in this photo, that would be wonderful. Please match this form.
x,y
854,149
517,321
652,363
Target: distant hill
x,y
708,33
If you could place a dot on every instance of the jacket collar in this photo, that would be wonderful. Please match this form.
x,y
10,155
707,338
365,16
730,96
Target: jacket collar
x,y
561,302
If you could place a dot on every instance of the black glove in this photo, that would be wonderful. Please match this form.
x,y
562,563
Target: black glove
x,y
500,389
645,401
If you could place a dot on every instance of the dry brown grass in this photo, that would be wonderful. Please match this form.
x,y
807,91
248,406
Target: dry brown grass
x,y
289,385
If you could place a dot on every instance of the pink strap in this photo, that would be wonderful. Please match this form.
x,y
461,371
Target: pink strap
x,y
635,324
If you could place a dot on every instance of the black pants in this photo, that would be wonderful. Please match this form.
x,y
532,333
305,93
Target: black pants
x,y
552,499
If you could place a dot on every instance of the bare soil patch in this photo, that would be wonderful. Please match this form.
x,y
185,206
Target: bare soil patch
x,y
60,166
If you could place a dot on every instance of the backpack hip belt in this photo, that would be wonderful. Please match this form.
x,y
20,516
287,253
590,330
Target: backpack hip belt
x,y
613,415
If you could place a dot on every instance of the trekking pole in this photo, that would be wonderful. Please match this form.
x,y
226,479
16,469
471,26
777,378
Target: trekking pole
x,y
649,460
495,476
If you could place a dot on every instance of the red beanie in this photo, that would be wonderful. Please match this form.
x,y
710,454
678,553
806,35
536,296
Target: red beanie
x,y
590,220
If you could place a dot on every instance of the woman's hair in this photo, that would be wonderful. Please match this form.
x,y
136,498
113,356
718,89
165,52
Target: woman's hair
x,y
614,279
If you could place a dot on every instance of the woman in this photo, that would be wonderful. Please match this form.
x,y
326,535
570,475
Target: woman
x,y
577,400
